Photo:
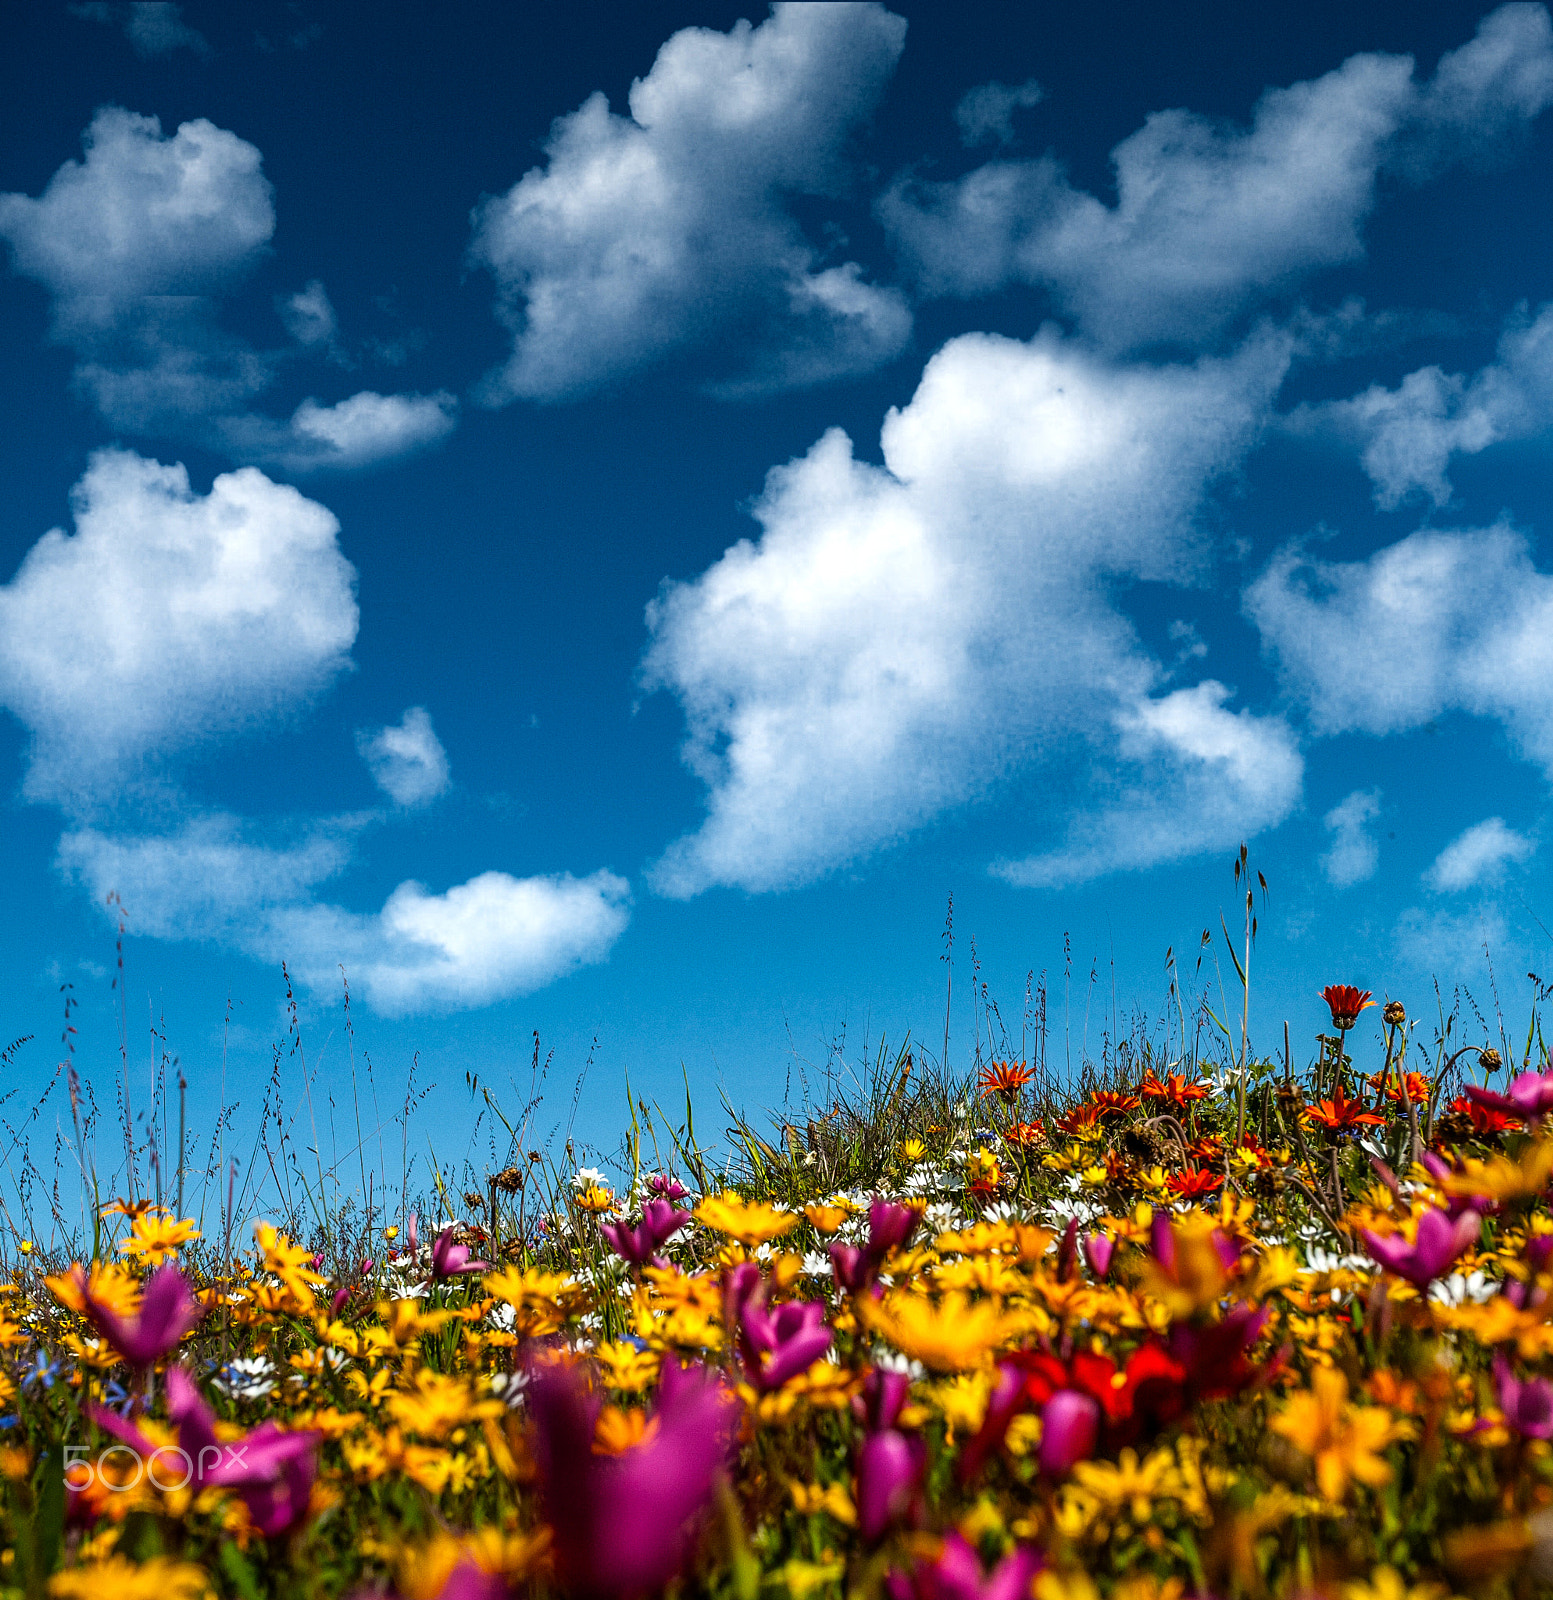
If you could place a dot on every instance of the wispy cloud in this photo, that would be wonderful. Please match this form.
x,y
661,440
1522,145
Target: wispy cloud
x,y
1479,855
137,244
1212,221
1353,854
669,230
407,762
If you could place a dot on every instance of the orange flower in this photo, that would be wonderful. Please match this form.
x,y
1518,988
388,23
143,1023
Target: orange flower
x,y
1340,1113
1005,1078
1346,1003
1175,1090
1024,1134
1194,1182
1417,1087
1081,1119
1108,1103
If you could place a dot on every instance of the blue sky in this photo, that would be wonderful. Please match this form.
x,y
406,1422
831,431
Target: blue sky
x,y
597,520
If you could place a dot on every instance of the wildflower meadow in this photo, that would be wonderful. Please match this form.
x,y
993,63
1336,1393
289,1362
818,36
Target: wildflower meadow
x,y
1176,1328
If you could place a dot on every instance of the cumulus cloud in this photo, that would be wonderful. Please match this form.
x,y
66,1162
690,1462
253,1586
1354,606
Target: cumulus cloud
x,y
1437,622
136,244
1194,776
167,619
407,762
1406,436
900,637
669,230
474,944
1480,855
1353,855
985,114
153,27
1211,219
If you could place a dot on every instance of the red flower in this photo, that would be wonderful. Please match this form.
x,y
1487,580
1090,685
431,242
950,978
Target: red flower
x,y
1340,1113
1485,1119
1005,1078
1175,1090
1346,1003
1024,1133
1081,1119
1194,1183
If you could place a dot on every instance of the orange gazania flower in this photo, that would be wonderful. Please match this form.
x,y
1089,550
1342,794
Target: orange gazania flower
x,y
1081,1119
1340,1113
1024,1133
1108,1103
1194,1182
1175,1089
1417,1087
1005,1078
1484,1119
1346,1002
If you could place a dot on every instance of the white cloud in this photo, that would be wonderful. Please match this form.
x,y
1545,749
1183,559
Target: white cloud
x,y
478,942
367,428
1440,621
1211,219
407,762
899,638
309,316
1408,435
985,114
135,245
1479,855
1354,855
1453,945
144,218
153,27
167,619
667,229
1197,776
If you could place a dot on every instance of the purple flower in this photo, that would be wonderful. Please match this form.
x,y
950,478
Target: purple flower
x,y
889,1476
1440,1240
638,1245
884,1393
957,1575
852,1269
667,1188
775,1346
1530,1097
622,1523
1098,1252
167,1312
412,1235
1067,1251
1070,1424
1527,1403
449,1260
271,1470
889,1227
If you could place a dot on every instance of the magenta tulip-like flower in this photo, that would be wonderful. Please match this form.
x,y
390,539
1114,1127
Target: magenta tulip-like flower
x,y
1098,1252
622,1523
884,1393
957,1575
889,1476
449,1260
1070,1424
272,1470
774,1346
1527,1403
1530,1097
638,1245
1440,1240
412,1233
167,1311
889,1227
667,1188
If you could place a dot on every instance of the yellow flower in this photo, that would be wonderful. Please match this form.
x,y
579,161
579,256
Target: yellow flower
x,y
156,1239
424,1573
158,1578
1503,1178
1343,1440
390,1234
1197,1279
617,1431
1128,1486
541,1301
750,1222
1387,1584
911,1151
291,1263
826,1219
595,1200
436,1404
981,1167
952,1336
627,1368
828,1499
111,1284
25,1247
